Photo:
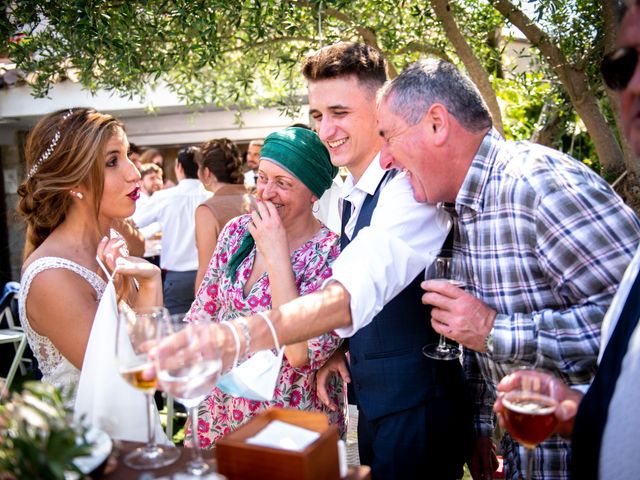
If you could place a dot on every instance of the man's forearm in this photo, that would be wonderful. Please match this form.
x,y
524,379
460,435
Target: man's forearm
x,y
303,318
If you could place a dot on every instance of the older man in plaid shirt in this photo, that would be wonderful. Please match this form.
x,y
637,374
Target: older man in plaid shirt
x,y
545,241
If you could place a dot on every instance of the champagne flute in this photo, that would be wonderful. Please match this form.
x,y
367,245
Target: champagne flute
x,y
189,375
447,265
135,334
529,414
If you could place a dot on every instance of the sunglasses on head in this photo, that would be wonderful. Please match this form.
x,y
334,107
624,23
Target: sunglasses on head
x,y
618,67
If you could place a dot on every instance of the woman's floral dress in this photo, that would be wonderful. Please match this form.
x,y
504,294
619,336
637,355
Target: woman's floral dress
x,y
224,299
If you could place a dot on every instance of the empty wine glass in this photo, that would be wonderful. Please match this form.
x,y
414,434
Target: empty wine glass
x,y
189,374
135,334
529,414
447,265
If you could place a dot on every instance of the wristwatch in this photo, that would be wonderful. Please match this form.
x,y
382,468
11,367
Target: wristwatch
x,y
488,342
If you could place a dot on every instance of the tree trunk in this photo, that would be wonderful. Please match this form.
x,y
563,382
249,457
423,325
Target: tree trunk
x,y
576,84
471,62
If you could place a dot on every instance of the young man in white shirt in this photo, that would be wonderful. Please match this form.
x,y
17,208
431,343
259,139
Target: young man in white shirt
x,y
174,209
411,408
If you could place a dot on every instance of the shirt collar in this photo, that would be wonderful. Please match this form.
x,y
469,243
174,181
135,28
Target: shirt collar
x,y
471,193
189,183
368,182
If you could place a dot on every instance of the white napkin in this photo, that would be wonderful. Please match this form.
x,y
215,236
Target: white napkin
x,y
103,397
285,436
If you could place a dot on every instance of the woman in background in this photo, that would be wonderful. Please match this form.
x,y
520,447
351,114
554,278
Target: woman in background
x,y
220,171
265,259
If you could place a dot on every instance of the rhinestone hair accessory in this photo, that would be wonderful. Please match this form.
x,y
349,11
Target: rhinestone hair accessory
x,y
47,153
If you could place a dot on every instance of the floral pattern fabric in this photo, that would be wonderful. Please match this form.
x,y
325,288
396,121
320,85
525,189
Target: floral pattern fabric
x,y
224,299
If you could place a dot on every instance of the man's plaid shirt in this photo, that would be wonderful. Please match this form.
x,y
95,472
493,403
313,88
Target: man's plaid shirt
x,y
546,242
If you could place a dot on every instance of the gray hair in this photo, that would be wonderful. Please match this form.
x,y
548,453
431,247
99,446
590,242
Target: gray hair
x,y
425,82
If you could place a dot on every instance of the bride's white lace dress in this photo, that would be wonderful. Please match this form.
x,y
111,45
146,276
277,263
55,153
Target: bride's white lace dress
x,y
56,369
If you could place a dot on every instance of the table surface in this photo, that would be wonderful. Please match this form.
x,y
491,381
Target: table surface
x,y
117,470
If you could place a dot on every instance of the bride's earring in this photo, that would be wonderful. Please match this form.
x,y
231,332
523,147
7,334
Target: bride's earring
x,y
78,195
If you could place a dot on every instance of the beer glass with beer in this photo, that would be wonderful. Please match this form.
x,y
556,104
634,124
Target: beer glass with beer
x,y
135,334
529,413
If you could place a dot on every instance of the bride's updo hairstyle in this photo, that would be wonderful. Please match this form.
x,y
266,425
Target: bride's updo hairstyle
x,y
64,150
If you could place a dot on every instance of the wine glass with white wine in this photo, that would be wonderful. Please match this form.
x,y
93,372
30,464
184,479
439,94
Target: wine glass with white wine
x,y
447,265
135,334
189,375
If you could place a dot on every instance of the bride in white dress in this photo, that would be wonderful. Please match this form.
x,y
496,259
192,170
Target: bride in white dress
x,y
80,181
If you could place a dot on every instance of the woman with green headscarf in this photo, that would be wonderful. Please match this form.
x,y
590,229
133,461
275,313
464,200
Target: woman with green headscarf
x,y
265,259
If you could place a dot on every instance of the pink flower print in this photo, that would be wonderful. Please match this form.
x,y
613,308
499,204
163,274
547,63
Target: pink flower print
x,y
203,426
238,416
265,301
224,417
253,405
294,399
212,290
226,430
238,304
279,404
210,308
224,258
204,442
326,274
253,301
246,273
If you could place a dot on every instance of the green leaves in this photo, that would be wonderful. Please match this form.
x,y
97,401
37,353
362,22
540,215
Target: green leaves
x,y
38,439
246,53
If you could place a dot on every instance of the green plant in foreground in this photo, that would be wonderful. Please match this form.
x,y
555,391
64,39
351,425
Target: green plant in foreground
x,y
38,438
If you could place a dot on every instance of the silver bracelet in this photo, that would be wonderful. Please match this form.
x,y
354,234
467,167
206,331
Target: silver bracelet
x,y
273,330
236,340
244,328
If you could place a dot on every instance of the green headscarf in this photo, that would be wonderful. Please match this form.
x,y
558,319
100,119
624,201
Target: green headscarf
x,y
301,153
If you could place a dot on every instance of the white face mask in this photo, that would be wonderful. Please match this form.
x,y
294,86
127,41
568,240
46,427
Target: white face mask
x,y
254,379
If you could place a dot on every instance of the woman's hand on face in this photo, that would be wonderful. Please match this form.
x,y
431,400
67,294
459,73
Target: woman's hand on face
x,y
268,232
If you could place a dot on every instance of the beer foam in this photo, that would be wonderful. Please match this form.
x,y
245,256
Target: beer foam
x,y
530,404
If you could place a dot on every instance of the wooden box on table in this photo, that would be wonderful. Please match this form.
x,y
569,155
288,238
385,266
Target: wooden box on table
x,y
239,460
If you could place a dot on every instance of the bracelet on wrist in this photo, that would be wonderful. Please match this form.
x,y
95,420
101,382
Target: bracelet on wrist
x,y
246,334
236,340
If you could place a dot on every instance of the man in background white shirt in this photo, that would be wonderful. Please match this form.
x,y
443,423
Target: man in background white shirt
x,y
151,182
174,209
253,160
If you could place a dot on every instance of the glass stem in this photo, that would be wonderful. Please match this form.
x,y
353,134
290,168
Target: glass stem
x,y
151,431
197,453
529,460
442,344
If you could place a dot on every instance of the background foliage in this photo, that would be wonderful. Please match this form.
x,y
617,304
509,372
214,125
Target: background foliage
x,y
246,53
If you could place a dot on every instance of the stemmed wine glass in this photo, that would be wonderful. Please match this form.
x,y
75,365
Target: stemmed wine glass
x,y
447,265
529,413
135,334
190,374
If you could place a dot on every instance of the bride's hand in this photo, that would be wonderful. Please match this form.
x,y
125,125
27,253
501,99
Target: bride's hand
x,y
110,249
113,252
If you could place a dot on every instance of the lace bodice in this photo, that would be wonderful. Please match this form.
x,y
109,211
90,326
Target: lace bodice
x,y
55,368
